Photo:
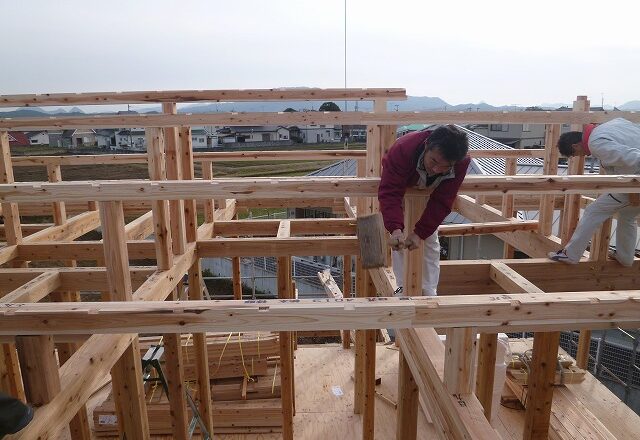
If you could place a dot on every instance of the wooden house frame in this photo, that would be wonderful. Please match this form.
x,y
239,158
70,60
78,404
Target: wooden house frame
x,y
482,297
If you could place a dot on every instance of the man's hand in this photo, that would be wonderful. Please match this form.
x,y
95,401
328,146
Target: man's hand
x,y
397,240
413,241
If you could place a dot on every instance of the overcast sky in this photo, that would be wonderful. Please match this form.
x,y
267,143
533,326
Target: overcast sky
x,y
500,52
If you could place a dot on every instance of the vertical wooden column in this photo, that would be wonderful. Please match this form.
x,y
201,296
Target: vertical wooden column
x,y
598,252
236,277
459,360
13,232
511,169
128,390
286,352
571,213
485,376
10,380
173,170
346,293
550,167
540,397
162,165
39,368
414,206
79,425
408,395
209,205
195,285
488,342
365,339
361,287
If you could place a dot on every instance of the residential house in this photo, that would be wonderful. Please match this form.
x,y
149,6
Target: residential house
x,y
513,135
60,138
318,134
256,135
131,139
18,139
199,138
38,137
106,138
354,133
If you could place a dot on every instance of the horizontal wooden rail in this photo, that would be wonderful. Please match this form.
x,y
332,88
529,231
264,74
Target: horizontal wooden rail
x,y
143,97
559,311
239,156
313,118
298,188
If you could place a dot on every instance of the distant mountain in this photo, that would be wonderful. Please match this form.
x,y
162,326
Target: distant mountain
x,y
629,106
413,103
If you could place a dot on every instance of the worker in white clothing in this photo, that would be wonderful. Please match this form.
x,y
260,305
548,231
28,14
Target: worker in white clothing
x,y
617,145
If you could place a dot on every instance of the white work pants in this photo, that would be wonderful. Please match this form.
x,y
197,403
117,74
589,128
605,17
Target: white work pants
x,y
605,206
430,265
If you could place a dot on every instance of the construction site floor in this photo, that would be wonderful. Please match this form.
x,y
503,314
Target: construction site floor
x,y
324,402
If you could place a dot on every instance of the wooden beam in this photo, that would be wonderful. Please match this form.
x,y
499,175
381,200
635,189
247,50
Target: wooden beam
x,y
71,229
171,96
296,187
529,242
313,118
239,156
34,290
333,291
140,228
161,283
556,311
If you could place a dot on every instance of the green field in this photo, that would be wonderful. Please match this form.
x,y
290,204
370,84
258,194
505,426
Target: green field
x,y
139,171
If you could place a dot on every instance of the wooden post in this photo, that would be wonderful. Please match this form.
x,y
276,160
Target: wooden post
x,y
407,413
346,293
128,391
10,379
286,373
485,376
39,368
541,379
361,287
237,278
79,426
173,168
369,382
174,243
414,206
571,213
195,286
209,205
551,153
511,169
459,360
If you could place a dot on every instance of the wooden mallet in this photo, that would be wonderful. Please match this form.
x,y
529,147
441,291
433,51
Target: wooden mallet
x,y
373,240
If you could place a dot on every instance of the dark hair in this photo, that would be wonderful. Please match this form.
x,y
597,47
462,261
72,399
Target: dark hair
x,y
567,140
451,141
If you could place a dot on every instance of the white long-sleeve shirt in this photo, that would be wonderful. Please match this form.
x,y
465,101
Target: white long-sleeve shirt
x,y
616,144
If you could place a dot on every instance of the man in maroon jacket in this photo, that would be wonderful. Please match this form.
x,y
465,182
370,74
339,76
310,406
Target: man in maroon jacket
x,y
436,161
